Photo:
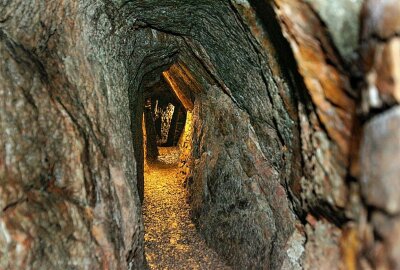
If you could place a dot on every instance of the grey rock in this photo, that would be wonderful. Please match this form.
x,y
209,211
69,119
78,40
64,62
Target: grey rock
x,y
342,20
380,172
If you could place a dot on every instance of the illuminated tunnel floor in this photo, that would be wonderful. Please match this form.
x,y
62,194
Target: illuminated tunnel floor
x,y
171,239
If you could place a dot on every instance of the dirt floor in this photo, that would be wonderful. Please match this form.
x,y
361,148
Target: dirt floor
x,y
171,239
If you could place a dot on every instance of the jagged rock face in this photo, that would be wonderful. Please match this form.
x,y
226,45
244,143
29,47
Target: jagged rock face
x,y
67,170
72,83
237,198
347,93
275,135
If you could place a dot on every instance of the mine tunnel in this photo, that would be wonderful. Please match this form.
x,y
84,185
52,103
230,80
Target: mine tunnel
x,y
240,134
171,237
165,117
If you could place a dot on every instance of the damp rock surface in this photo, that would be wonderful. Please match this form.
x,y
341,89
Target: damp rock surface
x,y
171,238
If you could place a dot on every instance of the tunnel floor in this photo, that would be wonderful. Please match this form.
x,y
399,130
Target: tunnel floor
x,y
171,239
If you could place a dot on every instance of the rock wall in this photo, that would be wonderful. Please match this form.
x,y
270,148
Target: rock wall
x,y
350,93
185,145
236,197
67,171
286,171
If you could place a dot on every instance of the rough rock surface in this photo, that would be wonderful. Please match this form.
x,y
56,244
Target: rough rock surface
x,y
343,23
323,248
229,197
379,175
67,175
275,88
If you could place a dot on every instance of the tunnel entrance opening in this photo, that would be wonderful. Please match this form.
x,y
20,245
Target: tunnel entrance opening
x,y
171,238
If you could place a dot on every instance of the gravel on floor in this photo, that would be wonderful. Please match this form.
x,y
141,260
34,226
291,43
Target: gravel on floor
x,y
171,239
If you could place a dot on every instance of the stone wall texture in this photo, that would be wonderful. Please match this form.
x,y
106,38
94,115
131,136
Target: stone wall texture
x,y
292,154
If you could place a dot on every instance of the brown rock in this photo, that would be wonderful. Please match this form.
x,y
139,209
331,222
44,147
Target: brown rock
x,y
322,247
388,249
381,19
326,126
380,172
320,68
380,51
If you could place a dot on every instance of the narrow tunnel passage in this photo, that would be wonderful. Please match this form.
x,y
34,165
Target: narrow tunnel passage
x,y
171,238
296,134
